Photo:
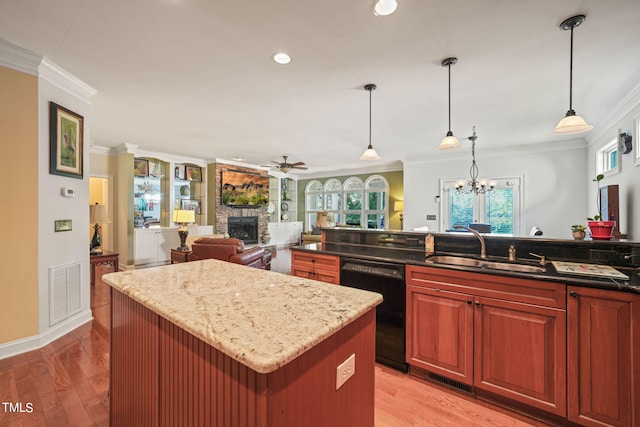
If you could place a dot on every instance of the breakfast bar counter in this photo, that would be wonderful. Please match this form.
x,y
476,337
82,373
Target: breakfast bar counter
x,y
216,343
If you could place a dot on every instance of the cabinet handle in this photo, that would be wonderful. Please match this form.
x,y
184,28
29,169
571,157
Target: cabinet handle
x,y
573,294
469,302
478,303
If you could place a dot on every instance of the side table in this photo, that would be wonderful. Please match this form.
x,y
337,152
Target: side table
x,y
105,258
179,256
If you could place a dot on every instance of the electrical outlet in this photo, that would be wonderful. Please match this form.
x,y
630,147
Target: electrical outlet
x,y
431,217
345,370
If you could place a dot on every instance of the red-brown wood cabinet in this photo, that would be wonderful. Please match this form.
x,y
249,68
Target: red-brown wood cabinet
x,y
501,335
325,268
603,363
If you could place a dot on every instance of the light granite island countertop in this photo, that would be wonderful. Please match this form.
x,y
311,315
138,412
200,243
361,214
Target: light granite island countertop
x,y
262,329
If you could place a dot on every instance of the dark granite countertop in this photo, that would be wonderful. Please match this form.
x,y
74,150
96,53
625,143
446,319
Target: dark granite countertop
x,y
417,257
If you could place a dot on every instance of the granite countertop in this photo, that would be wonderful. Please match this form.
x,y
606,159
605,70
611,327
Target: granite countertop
x,y
418,258
260,318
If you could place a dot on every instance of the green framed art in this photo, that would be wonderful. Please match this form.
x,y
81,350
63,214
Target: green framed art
x,y
66,145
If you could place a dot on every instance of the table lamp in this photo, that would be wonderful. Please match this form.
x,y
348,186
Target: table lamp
x,y
398,205
97,215
182,218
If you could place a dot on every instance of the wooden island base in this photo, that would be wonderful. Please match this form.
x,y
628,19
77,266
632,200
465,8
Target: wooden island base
x,y
163,375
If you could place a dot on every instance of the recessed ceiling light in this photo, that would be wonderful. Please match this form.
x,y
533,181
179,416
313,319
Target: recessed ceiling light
x,y
384,7
282,58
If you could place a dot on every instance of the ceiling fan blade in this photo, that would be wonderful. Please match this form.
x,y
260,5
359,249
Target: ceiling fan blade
x,y
297,164
300,167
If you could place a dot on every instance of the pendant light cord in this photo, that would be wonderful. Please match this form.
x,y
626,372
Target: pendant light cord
x,y
571,72
449,66
370,146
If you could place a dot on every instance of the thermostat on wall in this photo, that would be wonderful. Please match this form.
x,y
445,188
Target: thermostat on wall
x,y
68,192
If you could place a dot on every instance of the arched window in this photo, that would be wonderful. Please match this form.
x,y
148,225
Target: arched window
x,y
352,203
353,206
313,202
376,192
333,200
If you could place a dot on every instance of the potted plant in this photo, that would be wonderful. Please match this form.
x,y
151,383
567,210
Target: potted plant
x,y
600,229
579,231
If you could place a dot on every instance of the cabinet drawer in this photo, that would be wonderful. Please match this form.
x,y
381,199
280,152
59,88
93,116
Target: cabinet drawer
x,y
515,289
316,261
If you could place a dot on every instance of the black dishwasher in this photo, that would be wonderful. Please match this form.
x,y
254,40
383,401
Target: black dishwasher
x,y
385,278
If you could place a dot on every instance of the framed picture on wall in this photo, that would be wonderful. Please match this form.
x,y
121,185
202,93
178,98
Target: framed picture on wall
x,y
66,145
190,205
179,172
140,167
193,173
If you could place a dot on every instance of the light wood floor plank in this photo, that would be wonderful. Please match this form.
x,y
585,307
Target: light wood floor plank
x,y
67,383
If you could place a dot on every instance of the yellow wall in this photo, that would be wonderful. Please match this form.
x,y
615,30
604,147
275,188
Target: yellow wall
x,y
19,213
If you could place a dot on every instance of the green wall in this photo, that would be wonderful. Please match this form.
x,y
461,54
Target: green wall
x,y
396,192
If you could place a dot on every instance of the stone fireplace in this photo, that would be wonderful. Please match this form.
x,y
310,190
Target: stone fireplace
x,y
225,215
244,228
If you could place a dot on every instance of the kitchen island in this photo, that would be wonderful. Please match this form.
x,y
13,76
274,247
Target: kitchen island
x,y
215,343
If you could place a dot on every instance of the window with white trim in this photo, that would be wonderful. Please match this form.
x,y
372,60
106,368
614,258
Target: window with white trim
x,y
500,208
608,158
636,142
350,203
376,190
352,192
313,202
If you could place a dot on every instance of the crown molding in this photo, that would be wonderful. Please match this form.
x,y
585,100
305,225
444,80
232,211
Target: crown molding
x,y
19,59
519,150
393,166
59,77
609,125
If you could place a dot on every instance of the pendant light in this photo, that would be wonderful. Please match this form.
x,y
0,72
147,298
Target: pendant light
x,y
449,141
571,123
370,152
384,7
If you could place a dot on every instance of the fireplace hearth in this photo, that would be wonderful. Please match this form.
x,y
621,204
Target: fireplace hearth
x,y
244,228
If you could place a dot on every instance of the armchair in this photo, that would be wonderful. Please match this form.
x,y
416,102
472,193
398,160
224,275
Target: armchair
x,y
230,250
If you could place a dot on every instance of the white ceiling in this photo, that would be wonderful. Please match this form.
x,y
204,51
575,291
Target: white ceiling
x,y
195,77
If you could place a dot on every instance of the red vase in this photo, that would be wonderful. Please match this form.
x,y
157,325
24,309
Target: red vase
x,y
601,230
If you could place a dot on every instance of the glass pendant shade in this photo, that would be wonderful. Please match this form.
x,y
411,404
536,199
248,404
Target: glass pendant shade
x,y
449,142
571,124
370,154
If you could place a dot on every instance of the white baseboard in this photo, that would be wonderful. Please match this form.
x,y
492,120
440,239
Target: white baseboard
x,y
38,341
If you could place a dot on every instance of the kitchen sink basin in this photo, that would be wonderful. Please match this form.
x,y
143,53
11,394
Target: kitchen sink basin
x,y
485,264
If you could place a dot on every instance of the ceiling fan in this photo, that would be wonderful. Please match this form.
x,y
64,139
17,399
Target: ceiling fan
x,y
286,166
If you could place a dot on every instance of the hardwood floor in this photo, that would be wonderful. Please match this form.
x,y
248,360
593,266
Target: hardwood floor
x,y
66,384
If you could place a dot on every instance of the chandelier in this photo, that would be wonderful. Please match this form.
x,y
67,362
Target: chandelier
x,y
474,186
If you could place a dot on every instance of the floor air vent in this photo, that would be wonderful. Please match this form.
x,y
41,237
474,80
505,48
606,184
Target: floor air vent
x,y
449,382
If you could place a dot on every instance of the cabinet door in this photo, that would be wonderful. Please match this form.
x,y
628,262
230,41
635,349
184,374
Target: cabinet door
x,y
167,240
604,339
440,332
145,247
520,353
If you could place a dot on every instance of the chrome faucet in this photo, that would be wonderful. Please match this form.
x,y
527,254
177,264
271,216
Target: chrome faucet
x,y
483,248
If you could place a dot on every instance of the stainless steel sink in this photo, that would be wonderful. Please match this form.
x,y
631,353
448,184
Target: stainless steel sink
x,y
485,264
455,260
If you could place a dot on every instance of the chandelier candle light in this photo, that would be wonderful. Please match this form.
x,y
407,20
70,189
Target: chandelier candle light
x,y
475,186
183,217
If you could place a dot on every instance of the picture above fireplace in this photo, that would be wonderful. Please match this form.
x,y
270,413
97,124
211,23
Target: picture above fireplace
x,y
244,189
